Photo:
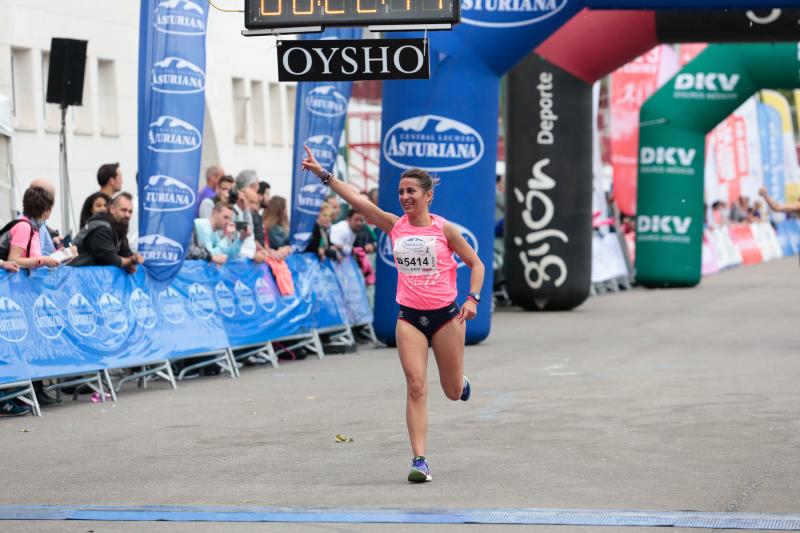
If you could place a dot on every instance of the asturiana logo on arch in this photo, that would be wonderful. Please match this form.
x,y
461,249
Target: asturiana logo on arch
x,y
158,250
165,193
173,75
437,144
13,324
326,101
508,13
173,135
180,17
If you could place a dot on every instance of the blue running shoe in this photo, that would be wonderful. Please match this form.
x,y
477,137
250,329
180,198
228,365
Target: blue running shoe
x,y
420,473
466,391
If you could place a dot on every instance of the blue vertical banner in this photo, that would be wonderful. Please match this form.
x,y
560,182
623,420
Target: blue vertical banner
x,y
770,129
172,81
320,113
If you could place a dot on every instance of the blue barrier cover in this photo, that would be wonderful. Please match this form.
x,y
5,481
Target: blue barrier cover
x,y
356,303
80,320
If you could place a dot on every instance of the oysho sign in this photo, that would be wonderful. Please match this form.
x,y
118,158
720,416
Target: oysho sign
x,y
509,13
432,142
350,60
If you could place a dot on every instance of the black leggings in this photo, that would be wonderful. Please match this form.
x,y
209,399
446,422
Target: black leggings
x,y
429,321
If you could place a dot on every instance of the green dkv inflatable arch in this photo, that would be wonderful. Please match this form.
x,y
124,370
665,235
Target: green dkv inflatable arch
x,y
674,124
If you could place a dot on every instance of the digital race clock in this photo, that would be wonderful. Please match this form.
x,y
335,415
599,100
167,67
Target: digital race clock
x,y
261,14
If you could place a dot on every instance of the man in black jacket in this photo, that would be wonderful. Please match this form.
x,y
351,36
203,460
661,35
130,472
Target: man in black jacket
x,y
104,239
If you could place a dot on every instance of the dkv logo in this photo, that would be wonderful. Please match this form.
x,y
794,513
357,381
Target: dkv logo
x,y
432,142
326,101
387,255
509,13
47,317
158,250
172,135
180,17
13,324
667,160
663,228
165,193
173,75
706,86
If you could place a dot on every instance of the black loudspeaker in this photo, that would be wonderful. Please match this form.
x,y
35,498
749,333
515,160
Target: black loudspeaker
x,y
65,76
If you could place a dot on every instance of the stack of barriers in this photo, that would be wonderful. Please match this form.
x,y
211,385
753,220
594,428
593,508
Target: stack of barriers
x,y
99,327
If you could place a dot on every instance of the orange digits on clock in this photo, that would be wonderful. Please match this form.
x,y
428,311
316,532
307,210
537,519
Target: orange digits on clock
x,y
438,5
360,9
310,8
330,11
277,11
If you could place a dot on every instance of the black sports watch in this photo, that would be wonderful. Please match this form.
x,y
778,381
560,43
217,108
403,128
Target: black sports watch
x,y
475,296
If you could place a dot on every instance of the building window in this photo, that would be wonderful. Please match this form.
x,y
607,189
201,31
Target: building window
x,y
107,97
275,115
52,113
291,97
83,115
257,112
239,111
23,94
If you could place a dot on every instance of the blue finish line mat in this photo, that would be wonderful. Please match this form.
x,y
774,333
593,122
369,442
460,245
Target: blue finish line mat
x,y
572,517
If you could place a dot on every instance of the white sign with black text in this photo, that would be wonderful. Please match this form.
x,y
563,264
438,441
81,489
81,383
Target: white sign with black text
x,y
352,60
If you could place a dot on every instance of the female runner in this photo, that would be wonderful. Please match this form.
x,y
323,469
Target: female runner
x,y
423,246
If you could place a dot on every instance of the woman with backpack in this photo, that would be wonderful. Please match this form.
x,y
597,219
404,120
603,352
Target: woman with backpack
x,y
21,243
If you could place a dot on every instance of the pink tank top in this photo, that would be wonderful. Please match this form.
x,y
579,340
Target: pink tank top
x,y
426,269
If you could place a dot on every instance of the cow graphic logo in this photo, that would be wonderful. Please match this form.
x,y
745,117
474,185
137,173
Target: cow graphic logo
x,y
225,301
13,324
113,313
437,144
386,253
202,301
142,309
509,13
265,295
173,75
158,250
326,101
82,315
165,193
47,317
180,17
245,297
171,305
170,134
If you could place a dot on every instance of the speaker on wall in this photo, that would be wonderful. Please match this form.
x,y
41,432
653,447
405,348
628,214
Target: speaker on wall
x,y
65,76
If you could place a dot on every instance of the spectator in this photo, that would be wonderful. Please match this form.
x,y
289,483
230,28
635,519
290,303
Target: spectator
x,y
277,225
373,195
213,174
258,221
222,192
104,238
718,214
22,244
320,241
217,234
246,201
247,179
740,209
344,233
95,203
333,201
264,196
366,237
50,238
109,177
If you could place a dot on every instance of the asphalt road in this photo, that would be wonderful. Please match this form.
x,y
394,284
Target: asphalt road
x,y
651,400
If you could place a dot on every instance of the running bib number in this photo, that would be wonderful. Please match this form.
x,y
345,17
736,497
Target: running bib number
x,y
416,256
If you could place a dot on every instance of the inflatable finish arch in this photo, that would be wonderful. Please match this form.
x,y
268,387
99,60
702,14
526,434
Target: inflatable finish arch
x,y
448,124
563,210
674,124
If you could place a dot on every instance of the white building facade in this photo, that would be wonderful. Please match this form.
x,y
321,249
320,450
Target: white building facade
x,y
249,116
